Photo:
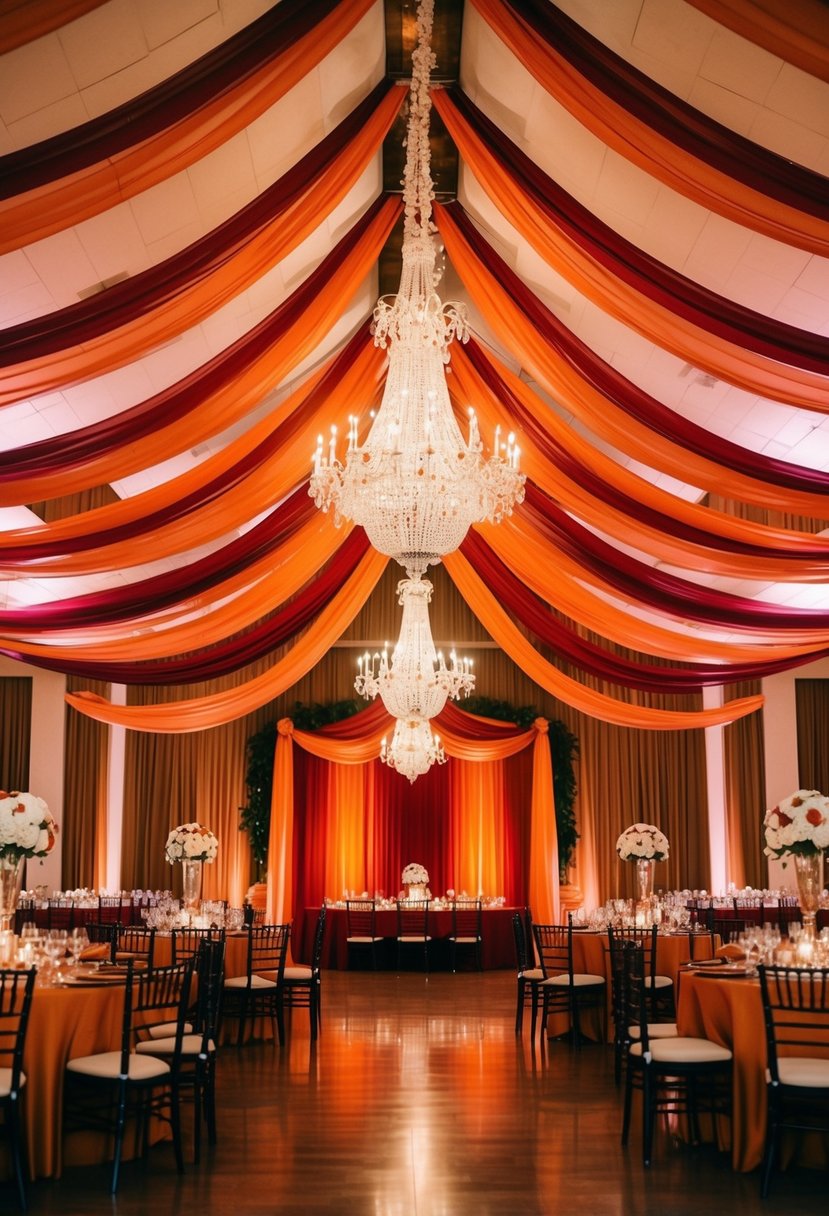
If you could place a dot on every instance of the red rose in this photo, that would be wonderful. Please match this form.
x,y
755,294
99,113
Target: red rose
x,y
783,819
815,817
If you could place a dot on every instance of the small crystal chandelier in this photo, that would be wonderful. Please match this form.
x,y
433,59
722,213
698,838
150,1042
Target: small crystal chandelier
x,y
414,485
413,749
415,685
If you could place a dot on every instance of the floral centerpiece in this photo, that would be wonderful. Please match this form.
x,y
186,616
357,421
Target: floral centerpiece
x,y
799,825
191,842
642,840
27,829
645,844
415,879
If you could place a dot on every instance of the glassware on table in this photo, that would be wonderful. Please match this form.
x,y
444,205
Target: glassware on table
x,y
77,943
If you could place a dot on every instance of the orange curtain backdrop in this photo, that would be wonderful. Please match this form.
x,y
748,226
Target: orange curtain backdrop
x,y
216,709
357,746
645,147
468,389
240,270
797,31
571,692
23,21
738,366
38,213
574,393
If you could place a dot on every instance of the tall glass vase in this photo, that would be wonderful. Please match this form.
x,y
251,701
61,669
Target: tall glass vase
x,y
11,872
191,873
644,879
808,868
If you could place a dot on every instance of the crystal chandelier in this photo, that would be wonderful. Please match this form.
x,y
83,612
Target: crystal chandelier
x,y
414,484
415,685
413,749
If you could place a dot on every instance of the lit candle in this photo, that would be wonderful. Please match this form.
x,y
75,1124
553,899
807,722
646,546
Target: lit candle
x,y
332,446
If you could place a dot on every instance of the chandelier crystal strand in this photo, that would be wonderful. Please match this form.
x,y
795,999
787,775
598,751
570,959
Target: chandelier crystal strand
x,y
413,749
414,484
417,682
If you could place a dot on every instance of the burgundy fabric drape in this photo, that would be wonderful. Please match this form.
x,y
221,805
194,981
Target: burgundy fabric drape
x,y
567,644
209,662
231,62
621,392
681,123
671,290
657,589
151,289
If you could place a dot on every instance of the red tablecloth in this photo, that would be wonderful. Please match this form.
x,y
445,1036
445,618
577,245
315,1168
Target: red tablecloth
x,y
498,945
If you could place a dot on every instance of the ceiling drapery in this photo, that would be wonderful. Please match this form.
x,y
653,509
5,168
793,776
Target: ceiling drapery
x,y
611,547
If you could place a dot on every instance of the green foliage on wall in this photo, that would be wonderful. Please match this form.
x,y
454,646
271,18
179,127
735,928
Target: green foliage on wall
x,y
254,818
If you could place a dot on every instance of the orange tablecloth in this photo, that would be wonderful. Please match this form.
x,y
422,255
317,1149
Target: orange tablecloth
x,y
730,1012
64,1023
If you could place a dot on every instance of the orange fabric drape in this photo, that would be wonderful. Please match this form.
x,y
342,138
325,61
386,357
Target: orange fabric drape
x,y
361,749
668,329
579,696
559,583
467,388
574,393
38,213
201,713
252,495
797,31
242,268
647,148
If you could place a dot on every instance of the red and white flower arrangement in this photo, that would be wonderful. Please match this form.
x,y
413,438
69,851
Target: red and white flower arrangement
x,y
191,842
642,841
27,826
798,824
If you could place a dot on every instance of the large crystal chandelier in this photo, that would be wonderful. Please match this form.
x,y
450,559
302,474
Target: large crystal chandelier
x,y
417,682
413,749
414,484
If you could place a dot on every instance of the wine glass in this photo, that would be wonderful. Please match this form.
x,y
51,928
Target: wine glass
x,y
78,942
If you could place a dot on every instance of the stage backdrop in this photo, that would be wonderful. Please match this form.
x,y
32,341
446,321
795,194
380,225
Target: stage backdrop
x,y
342,821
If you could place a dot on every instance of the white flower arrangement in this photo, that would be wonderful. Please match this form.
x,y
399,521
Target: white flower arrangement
x,y
798,824
191,842
642,840
27,827
415,874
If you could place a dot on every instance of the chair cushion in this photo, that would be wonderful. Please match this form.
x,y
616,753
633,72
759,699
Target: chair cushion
x,y
416,938
107,1065
256,981
656,1030
165,1029
298,973
190,1046
681,1050
360,941
465,940
659,981
6,1081
534,973
581,979
810,1072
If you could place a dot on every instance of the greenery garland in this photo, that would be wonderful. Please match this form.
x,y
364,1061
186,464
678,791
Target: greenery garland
x,y
254,818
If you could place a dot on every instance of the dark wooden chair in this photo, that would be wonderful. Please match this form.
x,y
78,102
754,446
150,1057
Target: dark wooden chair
x,y
413,929
361,929
136,942
103,1089
16,988
660,987
303,985
796,1014
260,992
467,931
528,976
563,990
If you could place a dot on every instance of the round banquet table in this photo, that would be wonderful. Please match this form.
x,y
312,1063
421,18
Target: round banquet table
x,y
730,1012
497,945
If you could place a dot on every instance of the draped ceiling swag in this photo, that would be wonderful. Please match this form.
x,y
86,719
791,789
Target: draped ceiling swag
x,y
193,212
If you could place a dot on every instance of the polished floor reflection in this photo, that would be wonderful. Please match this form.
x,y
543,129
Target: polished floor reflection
x,y
418,1100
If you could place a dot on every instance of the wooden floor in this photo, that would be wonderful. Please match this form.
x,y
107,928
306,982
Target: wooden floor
x,y
419,1101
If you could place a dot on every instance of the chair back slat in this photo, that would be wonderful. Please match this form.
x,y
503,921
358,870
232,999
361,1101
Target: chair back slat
x,y
267,951
16,989
554,946
796,1012
360,918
